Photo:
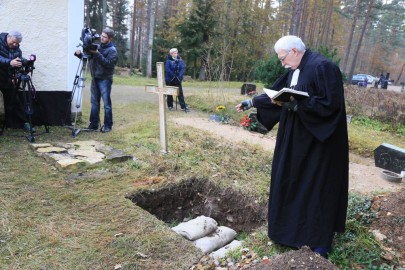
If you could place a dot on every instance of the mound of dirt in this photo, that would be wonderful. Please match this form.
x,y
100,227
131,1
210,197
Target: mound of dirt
x,y
390,225
303,258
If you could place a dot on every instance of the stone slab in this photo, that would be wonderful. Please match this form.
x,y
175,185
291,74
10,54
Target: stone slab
x,y
116,155
51,149
70,163
72,155
390,157
40,145
86,153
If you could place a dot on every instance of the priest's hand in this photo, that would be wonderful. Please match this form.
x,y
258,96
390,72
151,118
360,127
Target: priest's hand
x,y
291,105
244,105
279,103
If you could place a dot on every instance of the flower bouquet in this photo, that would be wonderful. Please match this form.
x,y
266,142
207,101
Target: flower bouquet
x,y
220,115
248,124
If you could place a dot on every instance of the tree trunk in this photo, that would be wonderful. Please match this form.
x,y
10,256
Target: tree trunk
x,y
350,39
312,23
328,24
363,30
132,42
400,74
104,16
87,14
114,16
304,20
150,39
139,35
297,16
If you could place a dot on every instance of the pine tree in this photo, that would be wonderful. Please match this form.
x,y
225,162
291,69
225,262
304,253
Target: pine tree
x,y
195,33
120,13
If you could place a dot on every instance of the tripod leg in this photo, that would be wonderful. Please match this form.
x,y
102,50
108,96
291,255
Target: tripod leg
x,y
69,106
79,96
27,91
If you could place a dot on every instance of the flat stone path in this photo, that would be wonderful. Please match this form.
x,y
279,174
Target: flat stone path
x,y
80,153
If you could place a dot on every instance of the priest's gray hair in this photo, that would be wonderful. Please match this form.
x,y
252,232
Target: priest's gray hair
x,y
288,43
172,50
16,34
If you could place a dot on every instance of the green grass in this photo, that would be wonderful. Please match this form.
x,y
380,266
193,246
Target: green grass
x,y
365,145
357,245
55,219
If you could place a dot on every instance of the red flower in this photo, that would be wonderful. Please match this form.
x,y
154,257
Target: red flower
x,y
245,122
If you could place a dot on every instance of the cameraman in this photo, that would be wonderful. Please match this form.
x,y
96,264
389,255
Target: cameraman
x,y
102,63
10,61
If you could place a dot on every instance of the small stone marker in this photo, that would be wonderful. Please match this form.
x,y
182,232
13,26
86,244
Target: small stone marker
x,y
162,90
390,157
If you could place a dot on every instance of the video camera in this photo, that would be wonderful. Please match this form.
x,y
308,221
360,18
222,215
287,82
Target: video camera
x,y
27,64
88,37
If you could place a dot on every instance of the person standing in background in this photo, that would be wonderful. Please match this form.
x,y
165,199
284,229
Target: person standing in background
x,y
174,71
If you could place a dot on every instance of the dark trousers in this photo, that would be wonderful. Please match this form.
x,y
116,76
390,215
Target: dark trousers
x,y
101,89
13,107
181,96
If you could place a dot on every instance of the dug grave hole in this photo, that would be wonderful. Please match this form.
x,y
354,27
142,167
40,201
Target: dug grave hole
x,y
178,202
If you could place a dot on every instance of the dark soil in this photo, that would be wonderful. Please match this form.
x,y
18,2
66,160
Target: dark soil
x,y
391,223
175,203
303,259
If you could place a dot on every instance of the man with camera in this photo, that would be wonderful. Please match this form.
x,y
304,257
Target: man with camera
x,y
10,62
102,64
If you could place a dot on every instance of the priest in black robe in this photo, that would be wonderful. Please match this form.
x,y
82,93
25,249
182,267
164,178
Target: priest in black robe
x,y
309,177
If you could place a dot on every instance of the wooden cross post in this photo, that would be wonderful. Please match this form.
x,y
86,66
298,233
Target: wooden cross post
x,y
162,90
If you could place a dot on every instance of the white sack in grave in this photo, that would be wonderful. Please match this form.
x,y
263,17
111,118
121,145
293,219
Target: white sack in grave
x,y
222,236
221,253
196,228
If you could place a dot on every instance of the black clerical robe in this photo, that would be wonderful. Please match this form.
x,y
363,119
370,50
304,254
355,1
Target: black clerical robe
x,y
309,178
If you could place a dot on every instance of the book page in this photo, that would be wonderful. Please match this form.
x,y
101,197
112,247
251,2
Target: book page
x,y
270,93
284,94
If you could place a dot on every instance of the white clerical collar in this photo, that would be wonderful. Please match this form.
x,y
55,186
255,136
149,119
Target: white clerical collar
x,y
294,80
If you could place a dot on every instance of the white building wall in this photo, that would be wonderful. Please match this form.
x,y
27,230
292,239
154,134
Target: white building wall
x,y
51,29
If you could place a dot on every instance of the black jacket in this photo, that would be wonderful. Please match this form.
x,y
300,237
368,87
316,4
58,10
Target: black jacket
x,y
6,55
174,69
103,63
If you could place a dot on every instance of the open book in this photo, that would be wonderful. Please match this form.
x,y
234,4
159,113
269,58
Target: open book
x,y
284,94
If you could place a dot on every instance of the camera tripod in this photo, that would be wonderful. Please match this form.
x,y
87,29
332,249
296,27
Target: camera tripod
x,y
28,95
77,93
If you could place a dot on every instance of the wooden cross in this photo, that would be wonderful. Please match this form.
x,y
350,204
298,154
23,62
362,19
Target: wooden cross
x,y
162,90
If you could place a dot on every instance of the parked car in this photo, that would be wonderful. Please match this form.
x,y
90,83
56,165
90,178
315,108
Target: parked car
x,y
356,79
370,79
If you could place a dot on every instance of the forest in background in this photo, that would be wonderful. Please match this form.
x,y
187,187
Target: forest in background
x,y
231,39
